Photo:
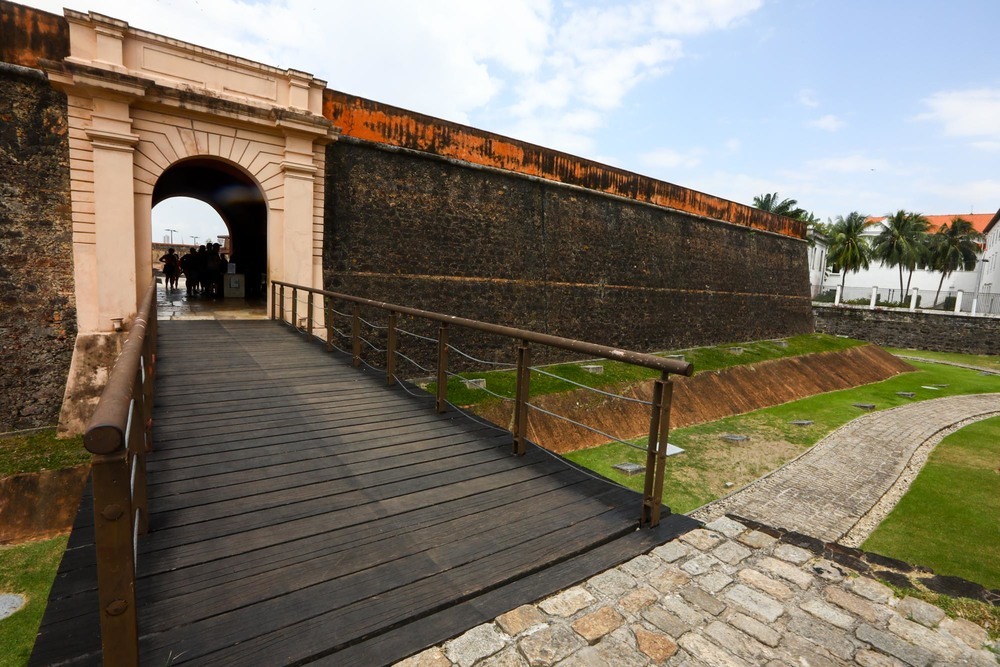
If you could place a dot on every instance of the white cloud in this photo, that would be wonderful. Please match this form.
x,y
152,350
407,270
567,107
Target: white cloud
x,y
848,164
557,68
733,145
829,122
973,113
807,98
667,158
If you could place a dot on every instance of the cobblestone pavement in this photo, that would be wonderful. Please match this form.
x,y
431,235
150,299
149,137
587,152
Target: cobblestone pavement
x,y
724,595
837,484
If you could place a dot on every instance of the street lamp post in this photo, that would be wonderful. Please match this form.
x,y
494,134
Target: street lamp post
x,y
171,235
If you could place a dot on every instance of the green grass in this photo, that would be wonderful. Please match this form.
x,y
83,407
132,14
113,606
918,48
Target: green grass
x,y
27,569
616,373
948,519
701,473
980,360
40,450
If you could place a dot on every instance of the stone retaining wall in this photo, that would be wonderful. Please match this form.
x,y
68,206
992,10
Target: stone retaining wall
x,y
918,330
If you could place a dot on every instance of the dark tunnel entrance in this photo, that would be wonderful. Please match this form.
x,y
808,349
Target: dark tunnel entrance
x,y
238,201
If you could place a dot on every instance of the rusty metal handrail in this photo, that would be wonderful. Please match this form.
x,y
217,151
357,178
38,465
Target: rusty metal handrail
x,y
118,436
662,390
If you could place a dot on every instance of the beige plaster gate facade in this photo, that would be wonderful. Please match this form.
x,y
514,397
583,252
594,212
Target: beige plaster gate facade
x,y
140,103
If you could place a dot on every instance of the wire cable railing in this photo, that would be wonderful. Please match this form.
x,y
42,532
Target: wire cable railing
x,y
322,310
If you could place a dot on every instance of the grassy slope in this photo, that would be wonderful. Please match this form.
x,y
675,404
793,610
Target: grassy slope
x,y
980,360
40,450
699,475
703,358
948,520
27,569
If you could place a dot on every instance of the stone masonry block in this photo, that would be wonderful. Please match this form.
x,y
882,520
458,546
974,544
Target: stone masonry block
x,y
701,539
657,646
672,551
755,603
550,645
922,612
854,604
764,583
869,589
518,620
568,602
476,644
792,553
757,540
731,552
762,633
828,613
709,653
739,643
703,600
595,625
726,526
894,646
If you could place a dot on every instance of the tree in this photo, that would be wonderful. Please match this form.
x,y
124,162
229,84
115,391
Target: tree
x,y
849,249
902,243
953,246
786,207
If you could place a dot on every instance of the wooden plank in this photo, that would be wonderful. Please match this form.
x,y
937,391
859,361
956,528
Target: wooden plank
x,y
310,496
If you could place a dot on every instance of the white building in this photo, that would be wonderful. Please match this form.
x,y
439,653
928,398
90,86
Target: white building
x,y
858,286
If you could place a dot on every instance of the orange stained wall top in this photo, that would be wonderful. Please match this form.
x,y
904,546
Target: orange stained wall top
x,y
28,35
380,123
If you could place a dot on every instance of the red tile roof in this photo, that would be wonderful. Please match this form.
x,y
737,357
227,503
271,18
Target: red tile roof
x,y
978,220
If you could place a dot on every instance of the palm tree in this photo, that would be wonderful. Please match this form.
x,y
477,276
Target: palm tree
x,y
786,207
954,246
849,250
902,243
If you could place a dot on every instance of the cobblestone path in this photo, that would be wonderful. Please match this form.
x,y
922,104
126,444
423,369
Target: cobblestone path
x,y
721,596
836,485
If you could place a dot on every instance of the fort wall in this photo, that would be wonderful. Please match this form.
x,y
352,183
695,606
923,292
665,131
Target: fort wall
x,y
37,301
483,243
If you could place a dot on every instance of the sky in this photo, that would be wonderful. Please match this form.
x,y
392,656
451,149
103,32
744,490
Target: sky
x,y
842,105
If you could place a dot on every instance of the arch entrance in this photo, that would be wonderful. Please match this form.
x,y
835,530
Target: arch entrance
x,y
240,203
149,118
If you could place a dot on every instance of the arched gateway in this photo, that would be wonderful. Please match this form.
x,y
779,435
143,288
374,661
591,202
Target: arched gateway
x,y
151,117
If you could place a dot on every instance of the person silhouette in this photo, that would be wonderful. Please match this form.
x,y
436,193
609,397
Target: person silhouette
x,y
171,268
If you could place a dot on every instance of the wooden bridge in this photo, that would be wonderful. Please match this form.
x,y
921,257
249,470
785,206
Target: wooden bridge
x,y
301,511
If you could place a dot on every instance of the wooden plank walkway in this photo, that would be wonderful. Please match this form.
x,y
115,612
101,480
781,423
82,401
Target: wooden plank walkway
x,y
303,512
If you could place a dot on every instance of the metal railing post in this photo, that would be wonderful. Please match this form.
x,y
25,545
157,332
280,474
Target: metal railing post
x,y
295,308
656,451
522,394
309,315
390,351
328,321
356,335
441,403
273,299
281,302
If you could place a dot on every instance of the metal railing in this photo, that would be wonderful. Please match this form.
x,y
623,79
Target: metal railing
x,y
118,436
947,301
659,422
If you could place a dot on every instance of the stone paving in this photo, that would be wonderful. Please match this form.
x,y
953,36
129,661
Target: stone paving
x,y
835,485
719,596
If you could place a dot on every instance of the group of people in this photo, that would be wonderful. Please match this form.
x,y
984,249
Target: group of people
x,y
203,270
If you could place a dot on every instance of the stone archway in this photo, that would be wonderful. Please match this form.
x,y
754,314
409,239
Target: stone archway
x,y
239,202
141,105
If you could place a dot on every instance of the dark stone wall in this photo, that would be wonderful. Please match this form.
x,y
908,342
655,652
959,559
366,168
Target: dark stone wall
x,y
942,332
476,242
37,305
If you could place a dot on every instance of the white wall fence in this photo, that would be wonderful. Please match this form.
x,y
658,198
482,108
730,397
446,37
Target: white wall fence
x,y
974,303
